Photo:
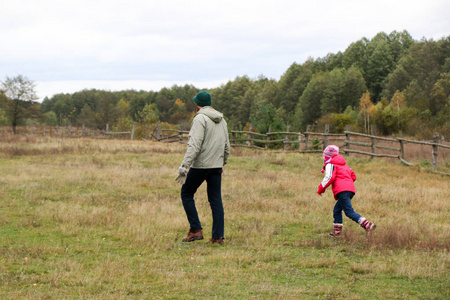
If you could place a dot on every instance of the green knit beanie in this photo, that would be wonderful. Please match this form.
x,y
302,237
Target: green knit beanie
x,y
203,98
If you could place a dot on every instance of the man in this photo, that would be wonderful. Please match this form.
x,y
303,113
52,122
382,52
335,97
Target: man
x,y
207,153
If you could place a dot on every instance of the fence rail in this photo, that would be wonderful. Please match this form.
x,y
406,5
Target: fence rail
x,y
287,141
315,142
73,132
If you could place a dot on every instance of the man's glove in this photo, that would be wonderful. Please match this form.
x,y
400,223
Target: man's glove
x,y
181,178
182,171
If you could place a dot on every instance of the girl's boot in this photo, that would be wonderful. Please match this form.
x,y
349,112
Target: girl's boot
x,y
337,230
368,226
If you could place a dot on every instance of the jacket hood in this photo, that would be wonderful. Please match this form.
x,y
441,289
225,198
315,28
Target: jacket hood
x,y
211,113
338,160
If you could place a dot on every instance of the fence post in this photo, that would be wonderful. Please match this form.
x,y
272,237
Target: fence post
x,y
57,130
158,132
299,141
373,133
325,137
435,150
44,130
132,133
268,138
308,128
286,138
180,136
347,139
402,149
83,128
249,135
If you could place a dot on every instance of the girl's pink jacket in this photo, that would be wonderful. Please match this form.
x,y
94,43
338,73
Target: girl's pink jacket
x,y
337,174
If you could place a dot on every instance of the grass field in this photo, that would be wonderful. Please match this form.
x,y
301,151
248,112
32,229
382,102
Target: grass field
x,y
103,219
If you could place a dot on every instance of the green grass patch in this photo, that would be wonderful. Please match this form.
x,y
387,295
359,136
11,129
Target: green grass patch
x,y
104,220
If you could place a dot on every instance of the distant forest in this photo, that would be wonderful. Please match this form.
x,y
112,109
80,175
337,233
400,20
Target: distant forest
x,y
391,81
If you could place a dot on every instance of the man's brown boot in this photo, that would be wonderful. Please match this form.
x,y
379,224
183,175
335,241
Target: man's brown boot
x,y
193,236
216,241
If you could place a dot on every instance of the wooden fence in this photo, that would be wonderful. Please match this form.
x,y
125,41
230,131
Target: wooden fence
x,y
70,132
83,132
288,141
314,142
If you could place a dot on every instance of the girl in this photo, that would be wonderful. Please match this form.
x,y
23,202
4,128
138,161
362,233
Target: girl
x,y
341,178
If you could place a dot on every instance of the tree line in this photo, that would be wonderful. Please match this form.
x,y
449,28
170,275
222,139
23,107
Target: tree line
x,y
391,81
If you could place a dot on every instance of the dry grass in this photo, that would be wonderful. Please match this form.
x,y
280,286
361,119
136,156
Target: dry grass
x,y
103,219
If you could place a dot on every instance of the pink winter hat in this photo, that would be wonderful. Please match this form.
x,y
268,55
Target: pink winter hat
x,y
330,151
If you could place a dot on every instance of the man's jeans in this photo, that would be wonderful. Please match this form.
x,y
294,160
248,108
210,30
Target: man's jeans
x,y
194,179
344,203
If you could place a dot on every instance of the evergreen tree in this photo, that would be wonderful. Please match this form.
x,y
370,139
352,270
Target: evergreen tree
x,y
290,88
380,64
309,105
418,71
355,55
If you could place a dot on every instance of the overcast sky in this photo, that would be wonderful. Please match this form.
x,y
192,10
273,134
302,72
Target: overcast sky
x,y
67,46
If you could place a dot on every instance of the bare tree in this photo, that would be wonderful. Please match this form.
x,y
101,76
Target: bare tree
x,y
20,95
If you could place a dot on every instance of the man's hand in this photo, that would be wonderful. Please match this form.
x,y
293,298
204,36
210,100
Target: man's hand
x,y
181,178
182,171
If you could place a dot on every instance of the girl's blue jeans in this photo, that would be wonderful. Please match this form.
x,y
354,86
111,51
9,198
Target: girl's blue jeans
x,y
344,203
194,179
